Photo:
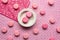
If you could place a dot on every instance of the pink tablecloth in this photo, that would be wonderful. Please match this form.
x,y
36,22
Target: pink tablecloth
x,y
51,11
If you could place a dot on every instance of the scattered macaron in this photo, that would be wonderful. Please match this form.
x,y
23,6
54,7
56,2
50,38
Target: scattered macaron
x,y
10,23
44,26
51,38
15,6
34,6
4,29
9,37
42,12
25,20
4,1
26,35
16,33
52,20
29,14
58,29
35,31
50,2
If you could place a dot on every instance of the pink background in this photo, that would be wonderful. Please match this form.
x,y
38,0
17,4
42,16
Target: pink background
x,y
51,11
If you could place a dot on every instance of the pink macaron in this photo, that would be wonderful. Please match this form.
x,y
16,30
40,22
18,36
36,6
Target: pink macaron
x,y
26,35
10,23
35,31
34,6
25,20
44,26
4,30
29,14
16,33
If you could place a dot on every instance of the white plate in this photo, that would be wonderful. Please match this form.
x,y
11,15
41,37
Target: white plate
x,y
31,21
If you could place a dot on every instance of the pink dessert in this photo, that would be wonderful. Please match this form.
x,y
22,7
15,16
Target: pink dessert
x,y
25,35
10,23
42,12
9,37
15,6
58,29
4,1
52,20
4,29
16,33
44,26
34,6
29,14
35,31
50,2
51,38
25,20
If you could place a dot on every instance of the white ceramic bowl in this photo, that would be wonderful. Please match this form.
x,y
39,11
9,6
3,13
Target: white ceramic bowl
x,y
31,21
